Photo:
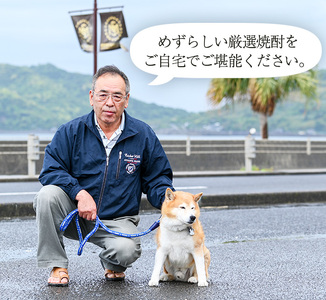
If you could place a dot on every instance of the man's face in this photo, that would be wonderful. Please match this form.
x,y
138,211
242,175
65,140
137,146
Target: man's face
x,y
109,112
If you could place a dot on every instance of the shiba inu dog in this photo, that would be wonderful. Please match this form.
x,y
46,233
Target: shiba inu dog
x,y
180,241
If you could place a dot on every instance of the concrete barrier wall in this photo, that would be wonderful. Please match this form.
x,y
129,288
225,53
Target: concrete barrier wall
x,y
283,155
274,155
16,162
214,155
205,155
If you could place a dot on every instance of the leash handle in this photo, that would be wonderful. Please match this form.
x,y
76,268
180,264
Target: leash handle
x,y
80,236
81,244
68,219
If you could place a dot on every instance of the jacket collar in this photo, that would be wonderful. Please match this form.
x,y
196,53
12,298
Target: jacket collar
x,y
131,127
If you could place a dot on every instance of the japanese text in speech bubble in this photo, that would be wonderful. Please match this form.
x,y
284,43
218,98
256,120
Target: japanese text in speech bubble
x,y
224,50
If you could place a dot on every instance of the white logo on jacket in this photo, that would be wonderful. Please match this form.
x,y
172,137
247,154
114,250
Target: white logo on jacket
x,y
130,168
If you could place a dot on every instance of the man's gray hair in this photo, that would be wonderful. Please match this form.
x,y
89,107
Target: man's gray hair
x,y
113,70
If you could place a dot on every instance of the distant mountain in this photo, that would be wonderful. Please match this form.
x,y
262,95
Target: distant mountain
x,y
44,97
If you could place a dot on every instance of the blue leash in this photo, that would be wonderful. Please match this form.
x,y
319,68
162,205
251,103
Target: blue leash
x,y
99,223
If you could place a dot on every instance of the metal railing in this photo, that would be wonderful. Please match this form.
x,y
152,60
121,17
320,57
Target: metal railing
x,y
188,148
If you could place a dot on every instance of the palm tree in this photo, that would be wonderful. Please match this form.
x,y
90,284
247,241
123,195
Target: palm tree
x,y
263,93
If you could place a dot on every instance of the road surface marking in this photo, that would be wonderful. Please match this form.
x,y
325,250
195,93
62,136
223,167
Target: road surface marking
x,y
34,193
18,194
191,187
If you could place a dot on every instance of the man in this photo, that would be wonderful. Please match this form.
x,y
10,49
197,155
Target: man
x,y
100,163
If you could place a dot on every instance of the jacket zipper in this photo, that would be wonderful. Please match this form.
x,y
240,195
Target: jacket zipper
x,y
103,184
118,167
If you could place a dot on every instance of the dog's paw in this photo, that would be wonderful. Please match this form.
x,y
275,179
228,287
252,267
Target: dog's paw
x,y
165,277
153,282
203,283
192,280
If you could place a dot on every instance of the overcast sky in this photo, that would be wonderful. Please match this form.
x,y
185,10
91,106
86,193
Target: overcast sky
x,y
41,31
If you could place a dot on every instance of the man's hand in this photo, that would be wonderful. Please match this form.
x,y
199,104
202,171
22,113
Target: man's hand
x,y
86,205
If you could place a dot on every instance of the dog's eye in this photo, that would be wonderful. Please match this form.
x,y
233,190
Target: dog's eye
x,y
193,208
182,207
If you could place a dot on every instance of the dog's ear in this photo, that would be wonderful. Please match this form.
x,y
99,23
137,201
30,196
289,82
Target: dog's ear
x,y
198,197
169,195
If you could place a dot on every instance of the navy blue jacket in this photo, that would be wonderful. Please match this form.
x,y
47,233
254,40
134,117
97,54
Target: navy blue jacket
x,y
76,159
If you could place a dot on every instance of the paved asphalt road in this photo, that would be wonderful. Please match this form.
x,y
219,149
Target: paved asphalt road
x,y
258,253
219,185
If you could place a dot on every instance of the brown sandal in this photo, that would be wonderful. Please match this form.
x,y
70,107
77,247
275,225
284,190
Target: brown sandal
x,y
57,273
114,276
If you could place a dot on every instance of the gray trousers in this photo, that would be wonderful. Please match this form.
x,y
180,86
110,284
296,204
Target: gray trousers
x,y
52,205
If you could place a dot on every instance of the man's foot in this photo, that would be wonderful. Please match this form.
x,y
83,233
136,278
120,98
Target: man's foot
x,y
58,277
114,276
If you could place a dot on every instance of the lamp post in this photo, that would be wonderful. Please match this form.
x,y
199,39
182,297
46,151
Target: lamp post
x,y
93,29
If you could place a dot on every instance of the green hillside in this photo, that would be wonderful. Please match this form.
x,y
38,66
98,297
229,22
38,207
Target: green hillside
x,y
44,97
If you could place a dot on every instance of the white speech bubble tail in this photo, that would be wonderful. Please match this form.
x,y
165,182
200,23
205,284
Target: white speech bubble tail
x,y
161,80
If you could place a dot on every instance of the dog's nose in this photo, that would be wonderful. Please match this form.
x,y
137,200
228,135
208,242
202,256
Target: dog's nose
x,y
192,219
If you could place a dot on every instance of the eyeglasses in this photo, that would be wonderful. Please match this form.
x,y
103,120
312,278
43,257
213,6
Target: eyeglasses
x,y
105,96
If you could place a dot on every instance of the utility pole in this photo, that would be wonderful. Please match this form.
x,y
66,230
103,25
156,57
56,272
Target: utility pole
x,y
95,36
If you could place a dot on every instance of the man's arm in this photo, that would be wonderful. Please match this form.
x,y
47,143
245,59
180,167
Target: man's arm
x,y
57,164
57,171
157,174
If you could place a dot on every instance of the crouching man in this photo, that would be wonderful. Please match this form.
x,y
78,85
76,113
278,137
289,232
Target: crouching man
x,y
100,163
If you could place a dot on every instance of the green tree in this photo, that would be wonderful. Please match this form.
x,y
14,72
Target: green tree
x,y
263,93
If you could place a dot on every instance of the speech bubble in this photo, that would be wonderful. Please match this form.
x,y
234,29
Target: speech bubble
x,y
224,50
